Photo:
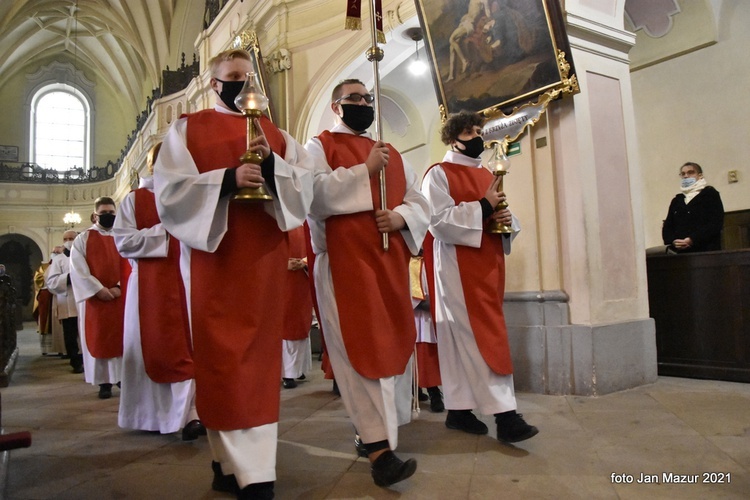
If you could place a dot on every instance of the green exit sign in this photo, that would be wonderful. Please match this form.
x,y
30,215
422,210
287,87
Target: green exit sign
x,y
514,148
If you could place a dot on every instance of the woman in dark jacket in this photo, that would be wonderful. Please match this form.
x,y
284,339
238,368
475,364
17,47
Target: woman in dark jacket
x,y
696,215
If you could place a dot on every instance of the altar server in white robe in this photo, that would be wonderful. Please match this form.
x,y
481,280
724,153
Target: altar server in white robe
x,y
469,275
157,368
97,273
234,254
297,356
64,302
363,291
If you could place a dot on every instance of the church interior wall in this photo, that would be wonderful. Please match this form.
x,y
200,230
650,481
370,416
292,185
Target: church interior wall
x,y
110,120
691,108
588,194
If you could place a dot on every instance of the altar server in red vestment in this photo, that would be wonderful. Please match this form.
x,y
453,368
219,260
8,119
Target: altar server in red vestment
x,y
158,391
42,312
98,274
469,280
234,255
426,349
297,357
363,291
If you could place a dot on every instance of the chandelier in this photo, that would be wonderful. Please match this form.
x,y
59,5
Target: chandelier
x,y
72,218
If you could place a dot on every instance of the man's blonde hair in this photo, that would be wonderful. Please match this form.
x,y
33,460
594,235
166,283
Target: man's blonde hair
x,y
227,55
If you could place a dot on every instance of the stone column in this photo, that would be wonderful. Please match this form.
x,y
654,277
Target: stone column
x,y
591,334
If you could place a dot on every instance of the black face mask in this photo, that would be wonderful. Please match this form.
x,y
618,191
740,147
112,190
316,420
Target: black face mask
x,y
474,147
229,91
356,117
107,220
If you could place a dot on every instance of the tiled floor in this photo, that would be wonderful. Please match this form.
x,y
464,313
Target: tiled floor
x,y
679,426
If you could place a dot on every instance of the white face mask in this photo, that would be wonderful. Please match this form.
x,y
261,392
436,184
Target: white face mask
x,y
687,182
68,244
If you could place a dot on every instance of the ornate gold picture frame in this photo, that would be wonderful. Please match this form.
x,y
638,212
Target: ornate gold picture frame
x,y
493,56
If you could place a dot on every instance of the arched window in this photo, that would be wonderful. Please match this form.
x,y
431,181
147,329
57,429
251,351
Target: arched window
x,y
60,128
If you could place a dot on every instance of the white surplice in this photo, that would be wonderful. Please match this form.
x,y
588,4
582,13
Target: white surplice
x,y
468,382
96,370
191,209
145,404
296,357
376,406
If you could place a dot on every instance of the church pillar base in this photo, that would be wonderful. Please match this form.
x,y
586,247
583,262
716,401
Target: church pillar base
x,y
551,356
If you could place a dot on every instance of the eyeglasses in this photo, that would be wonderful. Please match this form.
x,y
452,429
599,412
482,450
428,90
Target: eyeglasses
x,y
369,98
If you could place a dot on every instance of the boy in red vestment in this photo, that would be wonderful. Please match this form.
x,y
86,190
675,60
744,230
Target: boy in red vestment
x,y
363,291
233,255
468,274
97,273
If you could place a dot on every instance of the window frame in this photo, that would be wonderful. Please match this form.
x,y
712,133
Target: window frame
x,y
43,91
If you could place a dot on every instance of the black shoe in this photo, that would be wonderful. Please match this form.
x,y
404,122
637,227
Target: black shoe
x,y
257,491
436,400
464,420
422,396
192,430
388,469
105,391
301,377
336,388
360,446
222,482
288,383
119,385
512,428
77,369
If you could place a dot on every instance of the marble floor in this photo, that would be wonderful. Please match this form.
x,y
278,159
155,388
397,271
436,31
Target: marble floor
x,y
588,447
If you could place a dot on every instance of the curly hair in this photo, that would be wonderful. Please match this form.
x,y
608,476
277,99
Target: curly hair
x,y
457,123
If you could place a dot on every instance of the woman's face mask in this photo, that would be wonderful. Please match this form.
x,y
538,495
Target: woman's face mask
x,y
687,182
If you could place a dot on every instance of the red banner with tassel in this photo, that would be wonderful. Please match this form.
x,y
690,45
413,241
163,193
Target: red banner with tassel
x,y
354,17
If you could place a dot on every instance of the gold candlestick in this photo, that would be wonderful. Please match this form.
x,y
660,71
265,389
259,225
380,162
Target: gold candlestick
x,y
251,102
499,165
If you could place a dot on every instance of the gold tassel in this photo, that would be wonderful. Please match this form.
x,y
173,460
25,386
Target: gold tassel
x,y
381,37
353,23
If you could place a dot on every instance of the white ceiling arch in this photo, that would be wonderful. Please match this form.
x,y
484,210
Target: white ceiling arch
x,y
124,43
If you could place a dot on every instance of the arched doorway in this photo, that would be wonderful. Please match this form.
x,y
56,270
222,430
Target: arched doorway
x,y
21,257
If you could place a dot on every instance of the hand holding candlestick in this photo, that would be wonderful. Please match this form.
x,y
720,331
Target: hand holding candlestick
x,y
252,102
499,164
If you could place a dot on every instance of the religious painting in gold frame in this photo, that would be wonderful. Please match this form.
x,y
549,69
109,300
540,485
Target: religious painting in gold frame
x,y
248,40
492,56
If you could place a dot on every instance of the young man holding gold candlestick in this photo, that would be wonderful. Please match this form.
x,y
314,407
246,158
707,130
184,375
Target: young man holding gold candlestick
x,y
469,279
234,253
